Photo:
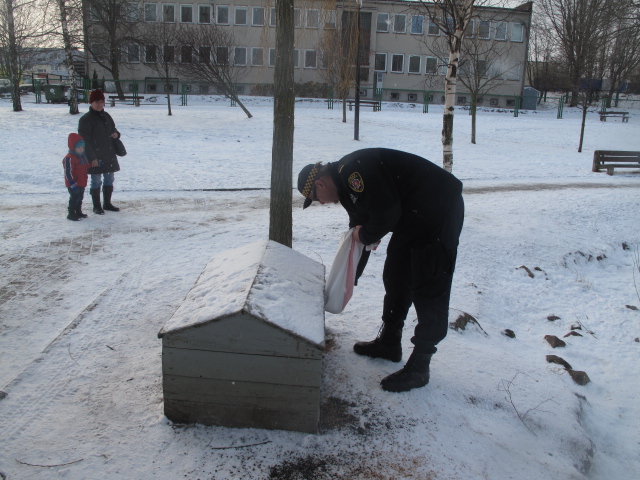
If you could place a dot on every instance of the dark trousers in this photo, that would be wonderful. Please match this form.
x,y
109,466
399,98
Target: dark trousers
x,y
75,198
419,269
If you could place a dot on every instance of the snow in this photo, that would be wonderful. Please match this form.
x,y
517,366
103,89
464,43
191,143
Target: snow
x,y
81,303
275,283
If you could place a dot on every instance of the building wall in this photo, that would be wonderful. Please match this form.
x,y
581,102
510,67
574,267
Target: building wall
x,y
410,59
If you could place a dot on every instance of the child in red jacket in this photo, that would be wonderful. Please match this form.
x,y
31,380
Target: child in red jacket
x,y
75,165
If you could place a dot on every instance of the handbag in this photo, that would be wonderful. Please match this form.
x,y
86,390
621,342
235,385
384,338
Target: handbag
x,y
118,147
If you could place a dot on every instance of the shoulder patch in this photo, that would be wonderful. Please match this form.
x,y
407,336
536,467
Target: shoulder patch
x,y
356,183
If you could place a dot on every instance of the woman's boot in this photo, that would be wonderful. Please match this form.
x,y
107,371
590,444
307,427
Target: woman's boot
x,y
95,197
106,192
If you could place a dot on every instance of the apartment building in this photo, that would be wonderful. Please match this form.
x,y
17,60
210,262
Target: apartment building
x,y
404,55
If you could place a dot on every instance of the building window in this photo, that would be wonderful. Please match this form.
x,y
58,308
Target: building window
x,y
152,88
382,24
203,89
470,30
296,58
517,32
222,56
310,59
186,13
481,68
240,16
257,17
272,57
433,28
150,12
397,63
399,23
204,55
484,30
150,54
133,53
479,101
168,13
186,54
313,18
462,100
257,56
511,102
239,89
169,54
240,56
501,30
297,18
431,66
494,102
414,63
330,19
416,24
222,14
324,61
394,96
131,12
204,14
272,17
380,62
412,97
514,73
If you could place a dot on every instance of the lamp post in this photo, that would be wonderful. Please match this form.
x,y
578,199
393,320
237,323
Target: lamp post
x,y
356,119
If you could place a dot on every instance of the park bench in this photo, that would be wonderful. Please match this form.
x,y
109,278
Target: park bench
x,y
129,99
610,159
604,115
366,103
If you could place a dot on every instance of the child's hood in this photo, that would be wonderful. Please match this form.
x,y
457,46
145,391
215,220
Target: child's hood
x,y
73,139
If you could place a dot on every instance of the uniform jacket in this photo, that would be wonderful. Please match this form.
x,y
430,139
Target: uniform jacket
x,y
75,167
96,128
388,190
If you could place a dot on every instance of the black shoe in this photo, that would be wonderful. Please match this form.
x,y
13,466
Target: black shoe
x,y
95,198
386,345
107,205
414,374
80,214
73,216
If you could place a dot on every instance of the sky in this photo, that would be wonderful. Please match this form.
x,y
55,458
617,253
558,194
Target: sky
x,y
82,303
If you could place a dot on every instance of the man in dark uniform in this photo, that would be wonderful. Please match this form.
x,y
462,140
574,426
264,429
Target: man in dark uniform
x,y
384,191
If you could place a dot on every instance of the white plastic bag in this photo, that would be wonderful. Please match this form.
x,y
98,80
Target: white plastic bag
x,y
342,276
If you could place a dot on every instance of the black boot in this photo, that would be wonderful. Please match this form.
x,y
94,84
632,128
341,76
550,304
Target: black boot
x,y
95,197
106,193
73,216
386,345
414,374
79,212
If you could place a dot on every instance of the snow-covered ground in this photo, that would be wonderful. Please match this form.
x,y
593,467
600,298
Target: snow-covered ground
x,y
81,303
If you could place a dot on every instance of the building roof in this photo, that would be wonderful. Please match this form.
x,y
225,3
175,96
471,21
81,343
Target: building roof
x,y
265,279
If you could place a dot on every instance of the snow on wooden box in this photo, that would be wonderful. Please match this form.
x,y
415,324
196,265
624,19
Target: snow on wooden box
x,y
245,347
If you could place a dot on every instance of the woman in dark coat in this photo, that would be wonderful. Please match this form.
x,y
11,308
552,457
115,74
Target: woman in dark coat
x,y
98,129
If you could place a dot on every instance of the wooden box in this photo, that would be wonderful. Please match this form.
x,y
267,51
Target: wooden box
x,y
245,347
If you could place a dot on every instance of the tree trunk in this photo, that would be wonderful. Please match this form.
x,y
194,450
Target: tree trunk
x,y
14,69
449,106
474,110
68,49
344,109
584,119
280,216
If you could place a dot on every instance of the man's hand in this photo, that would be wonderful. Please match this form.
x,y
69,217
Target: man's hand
x,y
356,234
95,163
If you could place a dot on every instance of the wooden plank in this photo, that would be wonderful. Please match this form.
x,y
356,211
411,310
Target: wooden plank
x,y
234,366
242,333
180,411
239,393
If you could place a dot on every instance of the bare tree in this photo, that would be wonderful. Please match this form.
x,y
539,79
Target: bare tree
x,y
582,29
280,215
205,56
339,49
112,27
68,42
20,32
623,54
452,18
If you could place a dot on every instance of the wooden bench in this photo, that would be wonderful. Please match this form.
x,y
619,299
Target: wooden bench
x,y
604,115
610,159
130,99
366,103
